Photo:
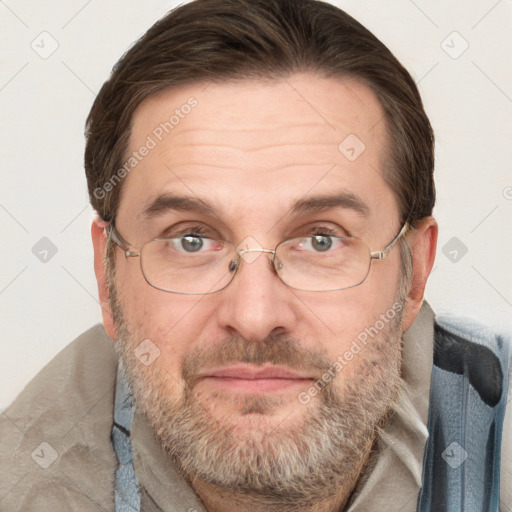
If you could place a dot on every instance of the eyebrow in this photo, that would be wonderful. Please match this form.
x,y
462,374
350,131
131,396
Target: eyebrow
x,y
320,203
169,202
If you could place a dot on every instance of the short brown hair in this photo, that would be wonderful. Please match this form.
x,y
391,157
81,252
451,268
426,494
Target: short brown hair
x,y
219,40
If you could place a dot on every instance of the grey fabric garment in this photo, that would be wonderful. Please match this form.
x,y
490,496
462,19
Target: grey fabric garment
x,y
69,406
396,465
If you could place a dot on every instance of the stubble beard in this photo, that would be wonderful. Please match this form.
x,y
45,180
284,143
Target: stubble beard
x,y
287,467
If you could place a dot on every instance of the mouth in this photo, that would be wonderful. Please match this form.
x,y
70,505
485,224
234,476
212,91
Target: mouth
x,y
253,379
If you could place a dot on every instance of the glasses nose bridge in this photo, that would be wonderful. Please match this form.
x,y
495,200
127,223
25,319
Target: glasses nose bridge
x,y
245,251
245,255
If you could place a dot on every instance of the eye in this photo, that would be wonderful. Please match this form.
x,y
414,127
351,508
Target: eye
x,y
321,243
192,243
191,239
322,240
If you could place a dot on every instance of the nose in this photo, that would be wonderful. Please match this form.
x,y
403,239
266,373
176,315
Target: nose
x,y
257,303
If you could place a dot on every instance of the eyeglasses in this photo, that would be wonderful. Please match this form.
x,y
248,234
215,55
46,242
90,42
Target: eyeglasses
x,y
192,264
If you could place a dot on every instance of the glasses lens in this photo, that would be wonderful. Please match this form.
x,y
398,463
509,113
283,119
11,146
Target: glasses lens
x,y
188,264
323,263
199,265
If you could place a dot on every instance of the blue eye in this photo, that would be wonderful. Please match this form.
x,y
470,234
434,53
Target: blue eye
x,y
192,243
321,243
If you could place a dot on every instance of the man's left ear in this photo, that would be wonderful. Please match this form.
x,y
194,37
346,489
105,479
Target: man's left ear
x,y
423,243
99,240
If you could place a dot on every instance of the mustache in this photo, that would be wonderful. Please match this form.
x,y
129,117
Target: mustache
x,y
279,350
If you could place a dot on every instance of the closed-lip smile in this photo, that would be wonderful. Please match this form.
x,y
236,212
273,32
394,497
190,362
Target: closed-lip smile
x,y
254,379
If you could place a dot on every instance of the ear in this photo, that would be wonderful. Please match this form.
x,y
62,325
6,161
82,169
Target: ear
x,y
423,243
99,241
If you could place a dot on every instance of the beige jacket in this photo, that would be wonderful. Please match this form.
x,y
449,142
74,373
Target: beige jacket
x,y
56,453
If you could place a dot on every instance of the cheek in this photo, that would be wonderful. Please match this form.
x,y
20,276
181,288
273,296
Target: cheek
x,y
150,312
172,322
346,315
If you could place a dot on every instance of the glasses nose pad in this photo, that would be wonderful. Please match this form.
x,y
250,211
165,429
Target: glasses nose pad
x,y
233,265
278,264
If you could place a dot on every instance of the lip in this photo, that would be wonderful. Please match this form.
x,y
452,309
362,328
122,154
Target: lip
x,y
254,379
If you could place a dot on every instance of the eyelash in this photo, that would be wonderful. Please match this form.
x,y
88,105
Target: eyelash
x,y
192,230
324,230
203,232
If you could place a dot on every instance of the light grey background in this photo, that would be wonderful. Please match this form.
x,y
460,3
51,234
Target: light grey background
x,y
44,102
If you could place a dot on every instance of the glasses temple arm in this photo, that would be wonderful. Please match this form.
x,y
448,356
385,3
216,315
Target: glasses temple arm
x,y
117,239
380,255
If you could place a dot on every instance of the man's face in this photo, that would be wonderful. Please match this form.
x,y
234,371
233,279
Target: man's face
x,y
242,362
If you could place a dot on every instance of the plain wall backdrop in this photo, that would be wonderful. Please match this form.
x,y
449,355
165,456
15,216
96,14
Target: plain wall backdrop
x,y
54,57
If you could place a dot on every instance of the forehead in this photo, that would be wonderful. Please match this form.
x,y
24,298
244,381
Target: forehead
x,y
255,148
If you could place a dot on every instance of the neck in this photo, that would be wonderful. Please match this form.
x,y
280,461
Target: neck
x,y
335,499
218,500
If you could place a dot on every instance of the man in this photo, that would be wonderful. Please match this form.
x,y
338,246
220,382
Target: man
x,y
262,174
